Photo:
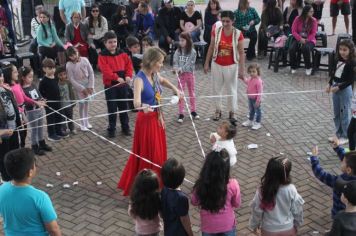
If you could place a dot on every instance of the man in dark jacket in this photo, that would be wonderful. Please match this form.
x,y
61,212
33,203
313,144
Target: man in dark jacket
x,y
168,24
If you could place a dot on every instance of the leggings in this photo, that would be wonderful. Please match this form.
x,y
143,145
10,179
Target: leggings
x,y
83,113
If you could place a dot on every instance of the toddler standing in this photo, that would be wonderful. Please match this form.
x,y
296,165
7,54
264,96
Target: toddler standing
x,y
67,97
183,64
81,75
224,138
254,93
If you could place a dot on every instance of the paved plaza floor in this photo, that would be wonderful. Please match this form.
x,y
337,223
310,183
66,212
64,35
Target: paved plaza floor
x,y
291,124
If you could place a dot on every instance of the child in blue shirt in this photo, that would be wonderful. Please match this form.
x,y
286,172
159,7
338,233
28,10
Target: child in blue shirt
x,y
347,166
25,210
175,203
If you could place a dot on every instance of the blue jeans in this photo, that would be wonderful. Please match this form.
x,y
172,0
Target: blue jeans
x,y
195,35
162,43
342,111
229,233
253,110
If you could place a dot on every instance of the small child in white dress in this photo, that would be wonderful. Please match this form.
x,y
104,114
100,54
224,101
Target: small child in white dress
x,y
224,138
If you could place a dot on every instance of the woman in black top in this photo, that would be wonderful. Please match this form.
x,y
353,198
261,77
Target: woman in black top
x,y
120,23
294,9
191,21
210,17
271,17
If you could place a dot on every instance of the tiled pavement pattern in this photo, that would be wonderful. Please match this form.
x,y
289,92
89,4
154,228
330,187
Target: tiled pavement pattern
x,y
295,123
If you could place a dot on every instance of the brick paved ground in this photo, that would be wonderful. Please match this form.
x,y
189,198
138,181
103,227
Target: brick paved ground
x,y
295,122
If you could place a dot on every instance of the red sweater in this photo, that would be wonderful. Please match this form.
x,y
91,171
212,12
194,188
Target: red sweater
x,y
111,65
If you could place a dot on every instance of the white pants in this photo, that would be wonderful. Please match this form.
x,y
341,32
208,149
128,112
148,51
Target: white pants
x,y
225,77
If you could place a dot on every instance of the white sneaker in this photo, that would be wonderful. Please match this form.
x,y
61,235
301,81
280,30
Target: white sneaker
x,y
308,71
180,118
89,126
84,129
256,126
247,123
331,139
292,71
343,141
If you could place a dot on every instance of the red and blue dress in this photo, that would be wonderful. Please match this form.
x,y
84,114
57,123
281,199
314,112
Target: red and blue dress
x,y
149,137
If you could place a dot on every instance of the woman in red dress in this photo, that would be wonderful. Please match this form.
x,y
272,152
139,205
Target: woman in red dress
x,y
77,34
149,137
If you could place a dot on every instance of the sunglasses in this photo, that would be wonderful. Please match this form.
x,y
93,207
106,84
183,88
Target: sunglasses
x,y
94,10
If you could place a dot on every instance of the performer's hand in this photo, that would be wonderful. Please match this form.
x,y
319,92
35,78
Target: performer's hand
x,y
146,108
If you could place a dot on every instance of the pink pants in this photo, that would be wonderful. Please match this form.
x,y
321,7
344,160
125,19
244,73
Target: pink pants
x,y
291,232
187,79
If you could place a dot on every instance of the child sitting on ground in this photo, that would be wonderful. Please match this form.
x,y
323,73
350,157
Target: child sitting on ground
x,y
224,138
344,221
175,204
145,203
347,166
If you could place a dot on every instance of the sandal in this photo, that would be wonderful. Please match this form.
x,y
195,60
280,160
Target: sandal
x,y
232,119
217,116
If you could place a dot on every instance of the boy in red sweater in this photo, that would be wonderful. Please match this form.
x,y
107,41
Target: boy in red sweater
x,y
116,67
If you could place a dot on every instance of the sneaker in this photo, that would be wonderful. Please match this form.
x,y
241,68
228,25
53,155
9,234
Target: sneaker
x,y
89,126
247,123
195,115
308,71
54,138
73,132
84,129
180,118
293,71
256,126
331,139
343,141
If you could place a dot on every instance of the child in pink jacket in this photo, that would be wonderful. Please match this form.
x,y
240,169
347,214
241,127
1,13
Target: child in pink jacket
x,y
254,93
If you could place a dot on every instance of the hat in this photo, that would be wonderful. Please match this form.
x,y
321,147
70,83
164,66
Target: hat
x,y
167,1
348,188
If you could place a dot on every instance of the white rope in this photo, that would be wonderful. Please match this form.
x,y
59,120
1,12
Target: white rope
x,y
190,115
117,145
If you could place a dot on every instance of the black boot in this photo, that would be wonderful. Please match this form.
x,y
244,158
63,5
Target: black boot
x,y
36,149
43,146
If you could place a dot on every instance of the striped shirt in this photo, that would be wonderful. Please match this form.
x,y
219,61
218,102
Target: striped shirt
x,y
34,26
330,179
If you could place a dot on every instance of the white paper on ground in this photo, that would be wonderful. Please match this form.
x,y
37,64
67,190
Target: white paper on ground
x,y
58,173
268,134
75,183
66,186
99,183
252,146
49,185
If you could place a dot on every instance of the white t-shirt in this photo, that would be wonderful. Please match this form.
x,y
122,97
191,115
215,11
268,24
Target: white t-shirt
x,y
229,145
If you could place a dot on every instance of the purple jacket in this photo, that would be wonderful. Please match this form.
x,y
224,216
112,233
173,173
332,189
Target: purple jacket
x,y
297,29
